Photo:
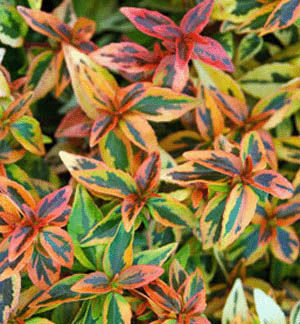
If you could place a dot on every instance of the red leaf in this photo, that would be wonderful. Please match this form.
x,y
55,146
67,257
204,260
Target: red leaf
x,y
211,52
138,276
103,124
147,175
184,50
197,18
94,283
145,20
126,56
272,182
54,204
74,124
131,207
21,239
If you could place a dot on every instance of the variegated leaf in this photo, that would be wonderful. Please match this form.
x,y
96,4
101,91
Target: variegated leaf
x,y
238,213
138,276
116,310
58,244
170,212
27,132
285,245
93,283
118,253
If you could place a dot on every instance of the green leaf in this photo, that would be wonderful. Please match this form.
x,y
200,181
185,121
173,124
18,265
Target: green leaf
x,y
35,4
84,216
249,46
116,310
155,256
118,253
170,212
12,26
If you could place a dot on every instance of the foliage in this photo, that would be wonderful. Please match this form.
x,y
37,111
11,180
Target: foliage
x,y
149,174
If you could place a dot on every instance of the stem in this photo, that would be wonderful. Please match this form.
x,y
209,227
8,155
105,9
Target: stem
x,y
221,264
36,44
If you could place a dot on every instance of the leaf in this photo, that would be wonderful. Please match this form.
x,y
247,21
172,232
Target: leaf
x,y
93,283
168,74
18,107
98,87
41,74
209,119
275,107
156,256
21,239
268,311
103,231
147,175
253,146
106,181
241,249
215,79
74,124
211,220
197,18
35,4
116,310
103,124
234,10
191,172
118,253
287,214
236,304
146,20
74,58
17,193
125,56
42,270
60,293
269,148
194,286
46,24
58,245
54,204
12,26
137,276
267,78
164,296
211,52
75,162
116,151
162,105
249,46
284,15
28,133
272,182
177,275
10,289
257,20
170,212
233,108
84,216
7,268
15,173
238,213
217,160
131,208
139,131
285,246
295,314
